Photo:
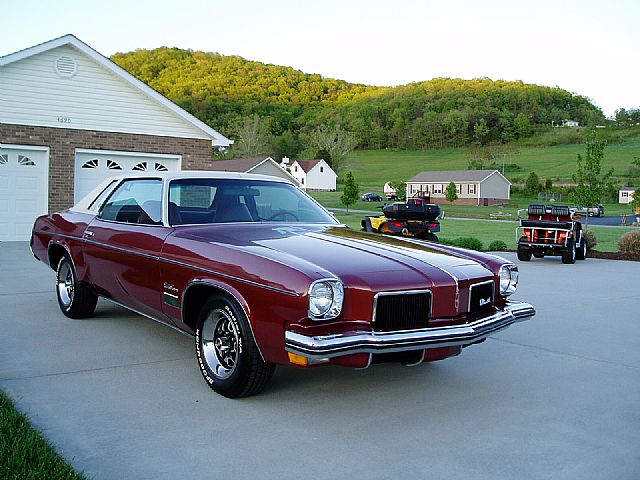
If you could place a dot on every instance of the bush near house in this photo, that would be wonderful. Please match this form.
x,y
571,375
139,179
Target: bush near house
x,y
630,243
592,239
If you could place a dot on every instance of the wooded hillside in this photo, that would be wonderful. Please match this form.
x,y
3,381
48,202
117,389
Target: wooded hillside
x,y
441,112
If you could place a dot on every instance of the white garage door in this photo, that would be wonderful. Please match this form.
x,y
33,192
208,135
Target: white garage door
x,y
93,166
24,188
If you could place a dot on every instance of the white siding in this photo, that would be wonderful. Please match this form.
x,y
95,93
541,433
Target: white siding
x,y
271,168
495,186
321,177
32,93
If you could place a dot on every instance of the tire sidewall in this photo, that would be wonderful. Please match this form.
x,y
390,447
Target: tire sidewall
x,y
232,383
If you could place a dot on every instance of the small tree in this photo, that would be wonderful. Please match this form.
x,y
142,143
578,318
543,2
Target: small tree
x,y
252,136
400,188
336,141
532,184
591,183
350,194
451,194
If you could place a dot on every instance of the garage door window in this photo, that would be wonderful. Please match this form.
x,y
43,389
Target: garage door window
x,y
25,161
4,159
135,201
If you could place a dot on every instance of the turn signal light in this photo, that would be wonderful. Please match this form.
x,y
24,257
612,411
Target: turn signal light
x,y
298,359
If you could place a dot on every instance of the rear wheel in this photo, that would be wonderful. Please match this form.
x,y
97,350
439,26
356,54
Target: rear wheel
x,y
428,236
569,255
524,251
581,250
75,298
228,356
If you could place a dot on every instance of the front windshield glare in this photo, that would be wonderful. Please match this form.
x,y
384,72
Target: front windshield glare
x,y
200,201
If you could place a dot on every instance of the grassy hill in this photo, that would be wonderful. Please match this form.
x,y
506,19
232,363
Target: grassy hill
x,y
375,167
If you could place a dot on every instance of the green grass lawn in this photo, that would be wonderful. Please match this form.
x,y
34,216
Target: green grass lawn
x,y
375,167
24,454
487,232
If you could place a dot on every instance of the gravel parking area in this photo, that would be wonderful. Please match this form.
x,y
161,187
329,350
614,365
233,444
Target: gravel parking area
x,y
121,396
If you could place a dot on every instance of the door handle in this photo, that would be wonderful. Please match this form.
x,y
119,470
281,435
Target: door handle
x,y
88,233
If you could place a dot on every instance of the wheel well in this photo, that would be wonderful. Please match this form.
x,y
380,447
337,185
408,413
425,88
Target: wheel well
x,y
55,253
194,299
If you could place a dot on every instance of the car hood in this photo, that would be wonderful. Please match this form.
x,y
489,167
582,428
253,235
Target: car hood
x,y
372,261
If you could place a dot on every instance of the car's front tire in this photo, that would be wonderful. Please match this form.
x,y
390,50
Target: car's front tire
x,y
75,298
227,354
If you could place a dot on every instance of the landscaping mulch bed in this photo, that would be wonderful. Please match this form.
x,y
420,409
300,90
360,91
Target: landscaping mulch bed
x,y
614,256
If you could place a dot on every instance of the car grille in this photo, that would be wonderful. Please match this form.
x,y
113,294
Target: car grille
x,y
402,310
481,297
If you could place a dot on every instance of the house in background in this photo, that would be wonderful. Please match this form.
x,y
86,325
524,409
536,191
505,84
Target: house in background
x,y
70,117
474,187
625,194
313,175
259,165
565,123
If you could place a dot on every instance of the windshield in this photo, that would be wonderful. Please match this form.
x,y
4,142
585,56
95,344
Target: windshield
x,y
201,201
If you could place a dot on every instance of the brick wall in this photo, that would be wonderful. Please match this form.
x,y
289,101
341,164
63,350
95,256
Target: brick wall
x,y
62,143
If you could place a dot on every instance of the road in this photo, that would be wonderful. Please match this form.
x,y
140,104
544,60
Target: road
x,y
555,397
605,220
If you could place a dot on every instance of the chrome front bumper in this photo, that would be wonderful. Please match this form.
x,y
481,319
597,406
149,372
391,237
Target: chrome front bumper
x,y
329,346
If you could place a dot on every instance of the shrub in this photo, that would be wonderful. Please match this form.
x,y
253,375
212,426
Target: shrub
x,y
590,235
470,243
630,243
497,246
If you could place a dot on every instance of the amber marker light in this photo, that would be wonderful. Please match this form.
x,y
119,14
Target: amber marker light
x,y
298,359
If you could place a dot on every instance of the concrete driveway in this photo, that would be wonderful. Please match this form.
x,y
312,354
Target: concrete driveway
x,y
121,396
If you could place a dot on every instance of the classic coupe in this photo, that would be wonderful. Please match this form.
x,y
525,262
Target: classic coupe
x,y
260,274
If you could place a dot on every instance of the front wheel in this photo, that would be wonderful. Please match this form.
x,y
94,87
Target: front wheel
x,y
581,251
75,298
569,255
228,356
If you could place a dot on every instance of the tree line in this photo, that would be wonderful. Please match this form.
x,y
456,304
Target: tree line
x,y
227,91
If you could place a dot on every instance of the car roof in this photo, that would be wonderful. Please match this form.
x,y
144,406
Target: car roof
x,y
84,204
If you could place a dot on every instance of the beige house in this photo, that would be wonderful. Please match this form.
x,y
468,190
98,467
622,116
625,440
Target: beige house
x,y
474,187
259,165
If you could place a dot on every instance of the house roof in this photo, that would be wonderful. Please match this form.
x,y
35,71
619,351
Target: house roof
x,y
217,138
239,164
247,165
307,165
455,176
629,189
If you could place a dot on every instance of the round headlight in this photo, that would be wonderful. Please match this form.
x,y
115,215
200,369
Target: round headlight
x,y
325,299
508,279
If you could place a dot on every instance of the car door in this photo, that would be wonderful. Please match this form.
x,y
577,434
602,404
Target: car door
x,y
122,245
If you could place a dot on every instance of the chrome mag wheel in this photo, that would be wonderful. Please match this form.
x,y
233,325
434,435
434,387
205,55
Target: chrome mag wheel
x,y
65,284
220,343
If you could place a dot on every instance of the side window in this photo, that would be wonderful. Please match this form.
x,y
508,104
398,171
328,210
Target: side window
x,y
135,201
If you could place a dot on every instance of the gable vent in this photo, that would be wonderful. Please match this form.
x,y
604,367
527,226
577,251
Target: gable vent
x,y
66,66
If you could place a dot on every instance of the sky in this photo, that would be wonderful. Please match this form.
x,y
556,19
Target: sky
x,y
588,47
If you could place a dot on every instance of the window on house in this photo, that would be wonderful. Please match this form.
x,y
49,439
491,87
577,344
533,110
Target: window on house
x,y
321,169
302,181
295,169
437,188
458,188
472,188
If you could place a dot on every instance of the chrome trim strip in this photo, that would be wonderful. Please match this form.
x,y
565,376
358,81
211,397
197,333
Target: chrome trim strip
x,y
329,346
176,262
400,292
166,324
493,292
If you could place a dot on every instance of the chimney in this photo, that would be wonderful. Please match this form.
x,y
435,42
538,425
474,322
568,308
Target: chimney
x,y
285,160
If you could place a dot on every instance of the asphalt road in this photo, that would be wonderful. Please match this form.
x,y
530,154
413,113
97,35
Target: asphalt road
x,y
555,397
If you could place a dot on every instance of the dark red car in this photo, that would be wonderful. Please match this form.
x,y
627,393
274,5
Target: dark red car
x,y
260,275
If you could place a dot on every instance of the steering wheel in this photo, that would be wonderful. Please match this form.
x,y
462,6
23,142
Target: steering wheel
x,y
284,214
